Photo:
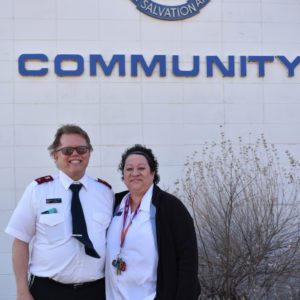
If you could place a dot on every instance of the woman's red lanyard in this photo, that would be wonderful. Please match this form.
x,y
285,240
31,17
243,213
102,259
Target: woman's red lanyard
x,y
119,263
126,211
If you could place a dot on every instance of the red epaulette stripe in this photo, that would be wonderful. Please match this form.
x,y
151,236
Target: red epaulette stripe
x,y
44,179
104,182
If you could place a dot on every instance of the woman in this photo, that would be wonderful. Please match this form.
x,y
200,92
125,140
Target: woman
x,y
151,242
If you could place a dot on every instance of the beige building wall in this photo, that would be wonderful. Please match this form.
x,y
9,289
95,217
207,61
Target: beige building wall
x,y
173,115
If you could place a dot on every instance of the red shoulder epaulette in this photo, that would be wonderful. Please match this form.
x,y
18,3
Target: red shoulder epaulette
x,y
44,179
104,182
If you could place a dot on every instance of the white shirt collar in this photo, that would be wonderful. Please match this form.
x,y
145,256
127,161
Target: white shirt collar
x,y
67,181
146,200
145,203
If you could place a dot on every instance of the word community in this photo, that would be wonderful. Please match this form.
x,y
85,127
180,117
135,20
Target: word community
x,y
160,65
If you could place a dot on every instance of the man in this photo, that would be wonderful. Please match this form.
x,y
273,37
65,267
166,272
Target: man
x,y
64,220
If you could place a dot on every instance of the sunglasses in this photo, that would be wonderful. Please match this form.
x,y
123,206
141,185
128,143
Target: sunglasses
x,y
69,150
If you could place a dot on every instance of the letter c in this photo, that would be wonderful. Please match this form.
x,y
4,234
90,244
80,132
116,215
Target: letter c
x,y
23,58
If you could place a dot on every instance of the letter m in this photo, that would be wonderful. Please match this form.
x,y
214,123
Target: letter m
x,y
107,68
157,60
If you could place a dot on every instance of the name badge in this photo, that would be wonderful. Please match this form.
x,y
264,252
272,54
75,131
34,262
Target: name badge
x,y
53,200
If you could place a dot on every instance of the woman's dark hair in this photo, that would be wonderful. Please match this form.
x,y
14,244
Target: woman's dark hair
x,y
147,153
68,129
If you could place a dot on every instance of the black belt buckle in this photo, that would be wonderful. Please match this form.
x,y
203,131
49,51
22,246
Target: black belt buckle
x,y
80,285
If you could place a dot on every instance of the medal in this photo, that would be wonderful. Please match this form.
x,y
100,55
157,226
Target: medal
x,y
119,264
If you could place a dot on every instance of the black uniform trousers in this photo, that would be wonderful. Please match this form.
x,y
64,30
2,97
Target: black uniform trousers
x,y
43,288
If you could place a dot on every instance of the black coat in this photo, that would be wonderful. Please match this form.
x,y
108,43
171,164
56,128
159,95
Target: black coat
x,y
177,248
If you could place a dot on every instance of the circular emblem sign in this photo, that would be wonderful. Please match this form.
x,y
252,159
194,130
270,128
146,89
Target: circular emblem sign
x,y
170,12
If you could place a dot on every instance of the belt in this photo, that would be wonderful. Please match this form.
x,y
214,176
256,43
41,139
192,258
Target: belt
x,y
74,286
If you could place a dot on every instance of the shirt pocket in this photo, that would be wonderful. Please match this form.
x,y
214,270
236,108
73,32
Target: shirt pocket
x,y
53,226
101,221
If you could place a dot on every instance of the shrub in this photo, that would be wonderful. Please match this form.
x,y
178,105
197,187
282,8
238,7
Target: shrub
x,y
245,205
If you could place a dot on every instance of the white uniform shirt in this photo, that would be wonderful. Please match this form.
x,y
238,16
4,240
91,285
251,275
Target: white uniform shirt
x,y
139,252
55,253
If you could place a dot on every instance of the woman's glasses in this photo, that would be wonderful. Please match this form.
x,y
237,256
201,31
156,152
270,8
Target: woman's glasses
x,y
69,150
